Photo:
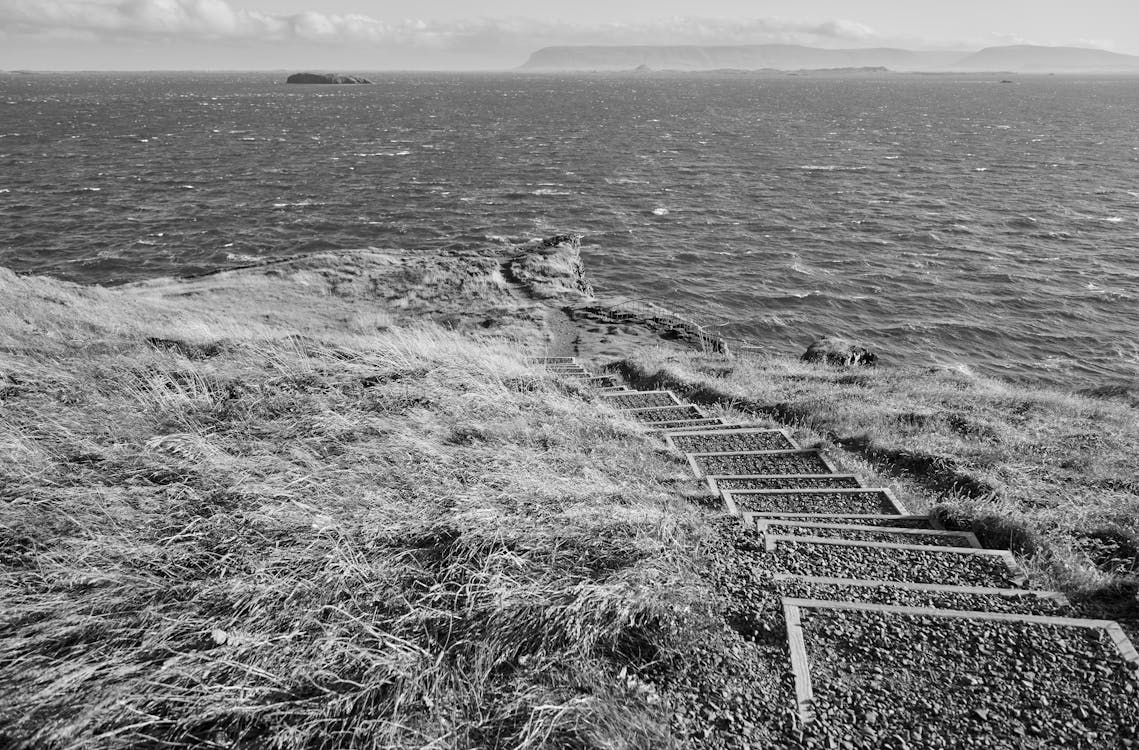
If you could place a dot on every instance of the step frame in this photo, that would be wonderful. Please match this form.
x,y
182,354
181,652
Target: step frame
x,y
750,517
658,429
712,481
933,587
692,457
746,431
676,400
1016,574
632,413
800,662
973,543
730,495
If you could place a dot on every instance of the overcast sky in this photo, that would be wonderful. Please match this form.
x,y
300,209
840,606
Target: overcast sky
x,y
498,34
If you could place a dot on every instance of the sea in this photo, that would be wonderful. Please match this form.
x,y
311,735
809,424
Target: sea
x,y
984,222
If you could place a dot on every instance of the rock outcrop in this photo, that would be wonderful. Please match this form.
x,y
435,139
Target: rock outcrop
x,y
552,268
839,352
325,78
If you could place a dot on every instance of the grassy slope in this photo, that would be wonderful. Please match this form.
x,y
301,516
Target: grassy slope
x,y
1050,473
246,510
246,532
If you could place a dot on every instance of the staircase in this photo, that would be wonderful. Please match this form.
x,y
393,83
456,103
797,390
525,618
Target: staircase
x,y
901,634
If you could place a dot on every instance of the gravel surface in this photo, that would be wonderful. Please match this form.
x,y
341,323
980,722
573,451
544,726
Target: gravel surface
x,y
758,463
834,481
672,414
883,594
888,681
886,564
730,689
636,400
870,534
729,441
683,423
898,522
870,501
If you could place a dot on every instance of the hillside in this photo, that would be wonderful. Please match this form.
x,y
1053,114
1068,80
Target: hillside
x,y
327,502
1030,59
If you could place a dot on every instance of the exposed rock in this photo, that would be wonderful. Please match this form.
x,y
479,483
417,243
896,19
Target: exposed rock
x,y
552,268
839,352
325,78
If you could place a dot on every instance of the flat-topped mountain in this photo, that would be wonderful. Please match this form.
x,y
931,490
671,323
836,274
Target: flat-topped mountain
x,y
334,78
789,57
1030,59
742,57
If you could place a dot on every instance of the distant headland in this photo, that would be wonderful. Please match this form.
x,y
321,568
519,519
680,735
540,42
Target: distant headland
x,y
327,78
788,57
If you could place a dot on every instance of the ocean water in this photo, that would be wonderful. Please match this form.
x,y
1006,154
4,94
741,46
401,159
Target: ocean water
x,y
943,219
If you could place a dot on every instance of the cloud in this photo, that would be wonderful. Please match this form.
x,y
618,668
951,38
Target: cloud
x,y
220,20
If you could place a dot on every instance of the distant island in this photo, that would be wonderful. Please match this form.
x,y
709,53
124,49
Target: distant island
x,y
789,57
328,78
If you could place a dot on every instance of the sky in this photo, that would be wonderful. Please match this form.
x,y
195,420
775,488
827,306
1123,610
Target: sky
x,y
363,35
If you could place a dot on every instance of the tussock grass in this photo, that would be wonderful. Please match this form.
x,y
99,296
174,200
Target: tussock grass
x,y
1049,473
217,533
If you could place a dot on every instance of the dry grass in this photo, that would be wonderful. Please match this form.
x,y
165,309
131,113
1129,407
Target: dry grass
x,y
1053,474
217,532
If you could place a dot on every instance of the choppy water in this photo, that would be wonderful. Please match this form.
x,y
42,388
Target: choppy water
x,y
943,219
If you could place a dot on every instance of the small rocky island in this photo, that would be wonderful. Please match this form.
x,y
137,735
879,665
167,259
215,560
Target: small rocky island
x,y
325,78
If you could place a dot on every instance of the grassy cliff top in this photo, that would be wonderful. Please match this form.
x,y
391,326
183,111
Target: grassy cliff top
x,y
325,503
246,510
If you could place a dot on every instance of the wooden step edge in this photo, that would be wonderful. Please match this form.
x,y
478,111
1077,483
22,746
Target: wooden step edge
x,y
972,542
830,465
675,400
668,438
729,496
1055,596
1016,574
712,480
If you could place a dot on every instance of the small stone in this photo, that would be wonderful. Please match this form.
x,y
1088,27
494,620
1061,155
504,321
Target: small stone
x,y
981,714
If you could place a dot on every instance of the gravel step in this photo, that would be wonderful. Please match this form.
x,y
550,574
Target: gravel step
x,y
665,427
967,598
551,360
720,482
781,462
662,414
641,399
866,500
751,518
617,389
868,533
885,561
877,676
735,439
